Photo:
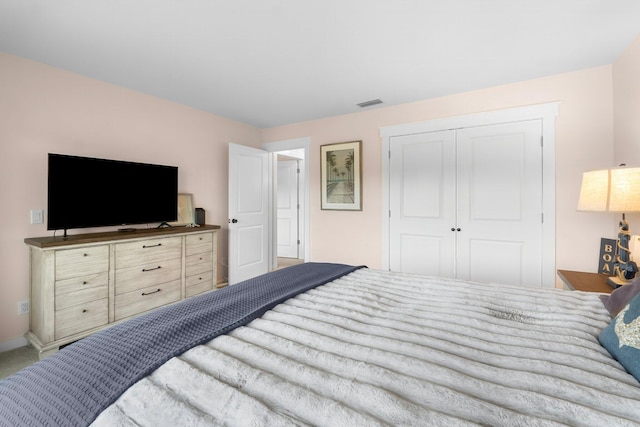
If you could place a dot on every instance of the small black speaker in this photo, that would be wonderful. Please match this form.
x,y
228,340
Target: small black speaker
x,y
200,216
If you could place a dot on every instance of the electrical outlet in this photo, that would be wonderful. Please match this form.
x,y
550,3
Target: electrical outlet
x,y
23,306
37,216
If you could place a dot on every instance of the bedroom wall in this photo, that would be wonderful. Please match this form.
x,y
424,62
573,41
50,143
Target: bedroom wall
x,y
44,109
626,107
584,140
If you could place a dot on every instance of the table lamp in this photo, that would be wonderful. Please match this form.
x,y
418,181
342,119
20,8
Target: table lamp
x,y
614,190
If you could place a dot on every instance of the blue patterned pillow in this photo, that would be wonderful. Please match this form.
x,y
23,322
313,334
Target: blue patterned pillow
x,y
622,337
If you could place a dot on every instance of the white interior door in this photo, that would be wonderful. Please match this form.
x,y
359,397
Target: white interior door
x,y
287,209
500,203
248,212
422,203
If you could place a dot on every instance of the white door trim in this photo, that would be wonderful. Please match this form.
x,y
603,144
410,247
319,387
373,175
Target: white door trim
x,y
546,112
293,144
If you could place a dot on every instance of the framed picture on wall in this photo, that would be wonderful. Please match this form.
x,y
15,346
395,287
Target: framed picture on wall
x,y
186,212
341,176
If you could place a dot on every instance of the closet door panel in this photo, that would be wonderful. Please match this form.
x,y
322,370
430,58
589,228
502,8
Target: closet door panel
x,y
422,200
484,266
500,203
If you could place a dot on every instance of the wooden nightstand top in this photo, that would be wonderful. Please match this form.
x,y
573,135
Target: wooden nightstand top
x,y
589,282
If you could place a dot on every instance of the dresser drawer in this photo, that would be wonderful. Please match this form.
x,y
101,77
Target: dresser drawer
x,y
198,263
76,284
80,296
199,284
149,274
141,300
82,317
199,278
147,251
199,243
81,262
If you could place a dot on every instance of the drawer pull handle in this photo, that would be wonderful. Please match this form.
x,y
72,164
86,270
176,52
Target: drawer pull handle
x,y
144,294
144,270
85,254
85,282
84,311
151,246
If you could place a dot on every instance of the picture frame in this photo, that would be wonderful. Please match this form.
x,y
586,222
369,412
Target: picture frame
x,y
186,212
341,176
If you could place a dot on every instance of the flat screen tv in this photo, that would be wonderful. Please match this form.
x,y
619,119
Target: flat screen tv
x,y
88,192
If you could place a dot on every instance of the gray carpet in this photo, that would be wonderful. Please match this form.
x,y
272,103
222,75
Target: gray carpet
x,y
13,360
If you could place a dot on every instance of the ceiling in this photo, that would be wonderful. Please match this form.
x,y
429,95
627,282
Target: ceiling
x,y
275,62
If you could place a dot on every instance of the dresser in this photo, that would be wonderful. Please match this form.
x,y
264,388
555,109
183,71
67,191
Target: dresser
x,y
84,283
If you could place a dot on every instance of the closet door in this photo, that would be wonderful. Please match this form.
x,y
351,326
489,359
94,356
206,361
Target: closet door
x,y
500,203
422,202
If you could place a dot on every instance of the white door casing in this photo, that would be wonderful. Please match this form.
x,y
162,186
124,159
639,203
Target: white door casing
x,y
248,212
299,148
287,208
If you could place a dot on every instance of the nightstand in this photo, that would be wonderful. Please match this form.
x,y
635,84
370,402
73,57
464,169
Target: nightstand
x,y
588,282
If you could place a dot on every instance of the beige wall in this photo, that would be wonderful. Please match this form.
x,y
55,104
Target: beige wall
x,y
44,109
584,140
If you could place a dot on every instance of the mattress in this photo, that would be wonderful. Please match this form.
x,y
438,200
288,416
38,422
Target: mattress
x,y
380,348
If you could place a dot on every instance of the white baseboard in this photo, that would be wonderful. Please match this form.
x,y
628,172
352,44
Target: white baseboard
x,y
12,344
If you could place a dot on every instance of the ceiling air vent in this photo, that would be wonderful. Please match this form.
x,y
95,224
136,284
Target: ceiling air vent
x,y
369,103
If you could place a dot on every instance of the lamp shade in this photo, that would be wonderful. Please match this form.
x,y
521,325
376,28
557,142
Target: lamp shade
x,y
594,192
624,192
610,190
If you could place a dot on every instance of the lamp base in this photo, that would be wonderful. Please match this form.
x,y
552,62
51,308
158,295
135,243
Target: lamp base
x,y
616,282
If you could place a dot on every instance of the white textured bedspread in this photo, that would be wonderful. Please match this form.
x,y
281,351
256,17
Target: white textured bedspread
x,y
381,348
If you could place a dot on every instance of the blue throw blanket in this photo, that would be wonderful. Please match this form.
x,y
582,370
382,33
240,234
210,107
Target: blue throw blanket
x,y
73,386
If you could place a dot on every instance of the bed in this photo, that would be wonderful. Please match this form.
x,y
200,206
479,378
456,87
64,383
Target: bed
x,y
337,345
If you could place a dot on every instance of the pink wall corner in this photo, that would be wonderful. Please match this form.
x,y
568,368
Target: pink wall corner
x,y
584,140
626,95
626,107
44,109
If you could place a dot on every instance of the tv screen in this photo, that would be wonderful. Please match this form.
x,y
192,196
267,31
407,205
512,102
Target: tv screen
x,y
88,192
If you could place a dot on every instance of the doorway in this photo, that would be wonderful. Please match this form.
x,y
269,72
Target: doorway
x,y
288,195
289,201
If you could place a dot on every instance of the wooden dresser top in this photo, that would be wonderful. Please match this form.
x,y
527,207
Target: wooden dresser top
x,y
79,239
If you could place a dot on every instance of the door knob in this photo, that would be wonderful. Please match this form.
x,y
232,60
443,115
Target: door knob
x,y
233,221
